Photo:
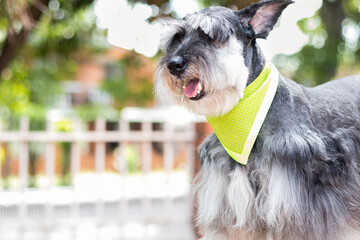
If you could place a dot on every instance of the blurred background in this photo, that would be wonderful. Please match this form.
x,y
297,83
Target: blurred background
x,y
86,152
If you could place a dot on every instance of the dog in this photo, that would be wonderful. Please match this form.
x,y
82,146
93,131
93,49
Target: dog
x,y
301,177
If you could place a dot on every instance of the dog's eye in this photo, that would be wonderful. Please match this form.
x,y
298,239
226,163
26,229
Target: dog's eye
x,y
178,38
204,36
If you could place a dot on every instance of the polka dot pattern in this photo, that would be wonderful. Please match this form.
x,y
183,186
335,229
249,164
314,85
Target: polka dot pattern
x,y
233,128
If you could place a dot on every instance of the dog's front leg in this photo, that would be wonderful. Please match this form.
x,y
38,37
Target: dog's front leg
x,y
210,191
209,203
223,194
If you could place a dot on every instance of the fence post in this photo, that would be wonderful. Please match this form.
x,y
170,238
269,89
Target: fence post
x,y
100,153
50,174
23,171
75,165
169,157
24,153
100,158
50,156
146,158
124,131
75,160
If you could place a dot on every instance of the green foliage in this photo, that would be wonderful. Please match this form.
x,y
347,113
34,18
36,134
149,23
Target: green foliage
x,y
33,78
333,49
129,153
67,30
65,179
31,82
26,83
90,113
125,94
63,37
64,125
128,83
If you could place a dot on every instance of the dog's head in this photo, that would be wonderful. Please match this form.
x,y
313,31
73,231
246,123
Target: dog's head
x,y
211,56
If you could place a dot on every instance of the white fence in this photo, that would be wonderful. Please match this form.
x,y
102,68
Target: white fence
x,y
101,205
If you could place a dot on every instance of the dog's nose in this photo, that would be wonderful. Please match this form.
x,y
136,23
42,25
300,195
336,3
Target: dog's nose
x,y
176,65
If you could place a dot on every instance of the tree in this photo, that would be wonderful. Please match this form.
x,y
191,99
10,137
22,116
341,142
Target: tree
x,y
40,41
21,18
37,40
331,52
319,63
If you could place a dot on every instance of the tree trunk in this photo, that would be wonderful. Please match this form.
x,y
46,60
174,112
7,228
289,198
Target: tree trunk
x,y
332,15
14,41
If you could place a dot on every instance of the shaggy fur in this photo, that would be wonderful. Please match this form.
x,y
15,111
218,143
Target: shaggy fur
x,y
302,180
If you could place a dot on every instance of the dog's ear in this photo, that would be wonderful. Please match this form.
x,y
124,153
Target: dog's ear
x,y
259,18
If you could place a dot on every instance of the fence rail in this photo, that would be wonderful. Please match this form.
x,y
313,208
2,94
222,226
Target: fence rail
x,y
121,199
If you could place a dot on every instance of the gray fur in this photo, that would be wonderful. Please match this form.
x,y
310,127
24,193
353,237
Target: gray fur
x,y
302,180
304,168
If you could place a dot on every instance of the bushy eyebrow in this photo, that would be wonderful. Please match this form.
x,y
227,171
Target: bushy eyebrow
x,y
171,27
215,27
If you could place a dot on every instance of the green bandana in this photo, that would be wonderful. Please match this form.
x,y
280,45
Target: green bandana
x,y
237,130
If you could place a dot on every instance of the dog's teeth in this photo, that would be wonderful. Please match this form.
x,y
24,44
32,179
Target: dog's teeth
x,y
198,91
199,87
184,87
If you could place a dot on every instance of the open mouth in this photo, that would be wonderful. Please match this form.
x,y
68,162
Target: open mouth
x,y
194,90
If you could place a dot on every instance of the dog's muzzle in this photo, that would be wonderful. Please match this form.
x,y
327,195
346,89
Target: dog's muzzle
x,y
176,65
192,88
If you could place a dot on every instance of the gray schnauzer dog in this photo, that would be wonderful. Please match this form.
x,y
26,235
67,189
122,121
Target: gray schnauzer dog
x,y
302,177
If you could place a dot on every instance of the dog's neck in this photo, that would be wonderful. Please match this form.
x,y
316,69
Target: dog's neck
x,y
254,60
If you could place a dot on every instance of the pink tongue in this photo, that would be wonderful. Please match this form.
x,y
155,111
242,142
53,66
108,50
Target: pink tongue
x,y
191,88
